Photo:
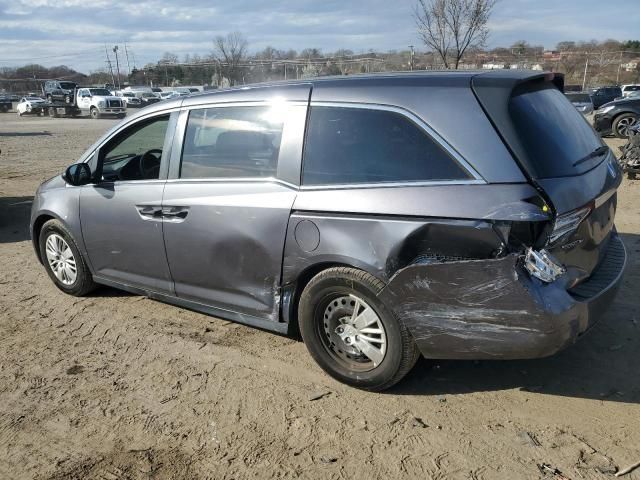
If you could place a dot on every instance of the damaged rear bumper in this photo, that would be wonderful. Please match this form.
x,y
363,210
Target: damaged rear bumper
x,y
492,309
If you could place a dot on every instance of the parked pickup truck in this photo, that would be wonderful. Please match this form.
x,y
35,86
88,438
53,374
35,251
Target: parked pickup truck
x,y
99,101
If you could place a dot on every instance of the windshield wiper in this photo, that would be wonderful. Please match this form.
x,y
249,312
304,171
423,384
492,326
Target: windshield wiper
x,y
596,153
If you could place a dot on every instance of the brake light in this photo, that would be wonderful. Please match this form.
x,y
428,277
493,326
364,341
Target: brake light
x,y
568,223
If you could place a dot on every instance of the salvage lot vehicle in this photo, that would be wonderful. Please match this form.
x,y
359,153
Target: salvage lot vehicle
x,y
98,102
35,105
602,95
398,230
5,104
130,99
615,118
582,102
59,91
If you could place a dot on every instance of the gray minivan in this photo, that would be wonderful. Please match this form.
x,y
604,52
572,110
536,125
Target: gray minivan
x,y
457,215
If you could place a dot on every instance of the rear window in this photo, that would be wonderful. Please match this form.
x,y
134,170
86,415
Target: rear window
x,y
364,145
67,85
553,132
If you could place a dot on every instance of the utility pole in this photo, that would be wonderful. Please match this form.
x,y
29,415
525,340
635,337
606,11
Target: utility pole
x,y
619,67
586,67
126,53
109,63
115,50
411,57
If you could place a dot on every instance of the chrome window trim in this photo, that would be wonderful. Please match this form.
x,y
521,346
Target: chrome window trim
x,y
234,180
252,103
417,183
435,136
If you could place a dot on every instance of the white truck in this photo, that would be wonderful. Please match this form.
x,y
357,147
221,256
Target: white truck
x,y
98,102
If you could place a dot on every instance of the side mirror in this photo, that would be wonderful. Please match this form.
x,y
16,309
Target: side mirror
x,y
77,174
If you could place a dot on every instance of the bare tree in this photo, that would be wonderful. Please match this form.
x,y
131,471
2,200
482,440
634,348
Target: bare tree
x,y
230,51
450,27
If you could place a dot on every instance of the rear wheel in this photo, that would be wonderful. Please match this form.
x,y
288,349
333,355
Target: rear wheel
x,y
351,334
63,260
622,124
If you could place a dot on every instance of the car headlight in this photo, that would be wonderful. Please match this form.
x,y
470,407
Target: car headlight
x,y
101,104
606,109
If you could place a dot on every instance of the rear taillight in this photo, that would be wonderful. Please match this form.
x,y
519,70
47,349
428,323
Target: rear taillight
x,y
568,223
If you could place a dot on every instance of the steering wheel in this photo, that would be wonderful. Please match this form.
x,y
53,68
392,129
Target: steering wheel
x,y
150,163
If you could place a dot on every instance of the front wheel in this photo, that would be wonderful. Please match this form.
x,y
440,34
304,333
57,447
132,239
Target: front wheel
x,y
95,114
623,123
63,260
351,334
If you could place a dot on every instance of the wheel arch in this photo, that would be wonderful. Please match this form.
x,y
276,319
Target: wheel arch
x,y
292,291
37,228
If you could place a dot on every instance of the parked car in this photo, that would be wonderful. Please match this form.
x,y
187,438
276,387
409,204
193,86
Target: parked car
x,y
582,102
184,92
156,90
130,99
633,95
628,89
147,98
169,95
600,96
615,118
60,91
5,104
35,105
358,210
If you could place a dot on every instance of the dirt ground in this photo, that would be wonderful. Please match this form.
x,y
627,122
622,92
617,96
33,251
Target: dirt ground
x,y
116,386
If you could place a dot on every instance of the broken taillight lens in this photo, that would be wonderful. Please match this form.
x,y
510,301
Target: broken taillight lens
x,y
542,265
568,223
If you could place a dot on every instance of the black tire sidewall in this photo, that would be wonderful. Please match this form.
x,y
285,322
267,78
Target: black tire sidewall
x,y
84,280
312,299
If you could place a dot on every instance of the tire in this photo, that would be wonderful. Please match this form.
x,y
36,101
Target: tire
x,y
327,302
53,112
622,123
52,231
95,114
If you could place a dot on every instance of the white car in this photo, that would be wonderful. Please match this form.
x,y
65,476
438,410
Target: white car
x,y
169,95
30,105
628,89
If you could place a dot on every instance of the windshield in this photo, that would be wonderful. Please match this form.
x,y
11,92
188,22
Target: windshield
x,y
554,133
148,95
100,92
33,99
67,85
579,97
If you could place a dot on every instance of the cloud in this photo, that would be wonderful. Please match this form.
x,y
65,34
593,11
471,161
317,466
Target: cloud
x,y
31,29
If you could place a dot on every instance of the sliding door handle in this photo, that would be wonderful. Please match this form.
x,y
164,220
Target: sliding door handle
x,y
175,214
150,212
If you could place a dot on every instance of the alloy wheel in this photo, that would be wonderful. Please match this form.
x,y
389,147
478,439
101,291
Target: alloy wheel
x,y
624,124
61,259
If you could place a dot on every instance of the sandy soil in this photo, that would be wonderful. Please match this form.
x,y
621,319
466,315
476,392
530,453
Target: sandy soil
x,y
115,386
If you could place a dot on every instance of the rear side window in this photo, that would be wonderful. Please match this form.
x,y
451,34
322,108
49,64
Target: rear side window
x,y
232,142
347,145
554,134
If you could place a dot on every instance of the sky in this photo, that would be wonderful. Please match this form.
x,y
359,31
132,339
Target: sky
x,y
74,32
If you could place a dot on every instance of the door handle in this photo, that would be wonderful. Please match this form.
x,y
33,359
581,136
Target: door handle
x,y
175,214
150,212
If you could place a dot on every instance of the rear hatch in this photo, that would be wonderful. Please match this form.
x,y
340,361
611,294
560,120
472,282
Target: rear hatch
x,y
563,157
